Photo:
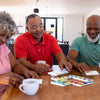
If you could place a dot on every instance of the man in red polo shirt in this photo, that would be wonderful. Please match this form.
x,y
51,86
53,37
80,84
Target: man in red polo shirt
x,y
36,45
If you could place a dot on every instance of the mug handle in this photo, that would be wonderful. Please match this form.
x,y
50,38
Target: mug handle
x,y
20,87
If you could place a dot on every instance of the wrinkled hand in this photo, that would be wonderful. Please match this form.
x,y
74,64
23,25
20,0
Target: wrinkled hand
x,y
65,64
11,79
82,67
30,74
42,68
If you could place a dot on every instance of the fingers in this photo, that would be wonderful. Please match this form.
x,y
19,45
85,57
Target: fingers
x,y
18,76
41,72
42,68
68,66
15,79
30,74
45,67
14,82
61,65
80,69
83,67
65,64
11,78
4,81
87,69
33,74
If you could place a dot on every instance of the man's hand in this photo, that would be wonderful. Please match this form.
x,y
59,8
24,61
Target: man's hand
x,y
65,64
11,79
41,68
82,67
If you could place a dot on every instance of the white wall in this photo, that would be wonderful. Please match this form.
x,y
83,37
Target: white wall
x,y
19,18
72,27
95,12
72,24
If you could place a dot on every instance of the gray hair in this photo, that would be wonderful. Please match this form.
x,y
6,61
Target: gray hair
x,y
7,24
31,16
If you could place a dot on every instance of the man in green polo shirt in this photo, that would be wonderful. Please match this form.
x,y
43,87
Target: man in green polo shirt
x,y
85,50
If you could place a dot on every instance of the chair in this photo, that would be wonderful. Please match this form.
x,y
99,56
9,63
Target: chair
x,y
65,48
11,47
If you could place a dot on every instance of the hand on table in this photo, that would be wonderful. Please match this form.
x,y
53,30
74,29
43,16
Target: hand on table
x,y
30,74
65,64
42,68
82,67
10,78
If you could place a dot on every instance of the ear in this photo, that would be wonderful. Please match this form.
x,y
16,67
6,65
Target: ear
x,y
27,28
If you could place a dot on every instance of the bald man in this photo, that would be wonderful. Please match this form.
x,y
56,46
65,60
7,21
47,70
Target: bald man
x,y
85,50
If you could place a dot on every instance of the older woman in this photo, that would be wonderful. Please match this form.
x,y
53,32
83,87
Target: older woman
x,y
7,61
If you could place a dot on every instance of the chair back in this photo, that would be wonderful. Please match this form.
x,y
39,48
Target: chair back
x,y
65,49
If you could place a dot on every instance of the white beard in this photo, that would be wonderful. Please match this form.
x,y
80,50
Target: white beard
x,y
93,40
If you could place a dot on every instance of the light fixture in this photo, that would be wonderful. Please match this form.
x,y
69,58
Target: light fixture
x,y
36,10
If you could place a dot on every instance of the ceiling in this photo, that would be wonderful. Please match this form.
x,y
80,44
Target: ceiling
x,y
50,6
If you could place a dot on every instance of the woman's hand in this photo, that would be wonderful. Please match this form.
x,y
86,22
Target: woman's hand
x,y
10,78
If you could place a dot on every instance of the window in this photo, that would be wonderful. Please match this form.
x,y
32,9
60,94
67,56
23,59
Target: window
x,y
54,26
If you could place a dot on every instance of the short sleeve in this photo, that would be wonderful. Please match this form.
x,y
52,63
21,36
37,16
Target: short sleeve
x,y
76,44
4,59
4,50
19,48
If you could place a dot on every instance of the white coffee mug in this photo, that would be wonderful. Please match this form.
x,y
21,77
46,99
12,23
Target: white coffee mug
x,y
29,86
99,65
41,61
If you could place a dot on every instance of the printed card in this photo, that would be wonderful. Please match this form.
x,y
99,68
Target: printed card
x,y
92,73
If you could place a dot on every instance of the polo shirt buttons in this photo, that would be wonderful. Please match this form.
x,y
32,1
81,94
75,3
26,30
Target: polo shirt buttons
x,y
38,48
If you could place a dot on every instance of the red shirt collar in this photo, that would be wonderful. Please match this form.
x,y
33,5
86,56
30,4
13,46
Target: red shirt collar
x,y
33,40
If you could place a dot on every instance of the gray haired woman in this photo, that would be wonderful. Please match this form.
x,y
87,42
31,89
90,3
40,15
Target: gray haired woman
x,y
7,61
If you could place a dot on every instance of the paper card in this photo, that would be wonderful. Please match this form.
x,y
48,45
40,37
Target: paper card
x,y
99,65
56,71
57,68
92,73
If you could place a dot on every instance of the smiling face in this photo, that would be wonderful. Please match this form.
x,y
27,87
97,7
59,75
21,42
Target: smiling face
x,y
93,27
35,28
7,27
3,37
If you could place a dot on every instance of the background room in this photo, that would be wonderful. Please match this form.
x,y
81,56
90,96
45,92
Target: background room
x,y
72,15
